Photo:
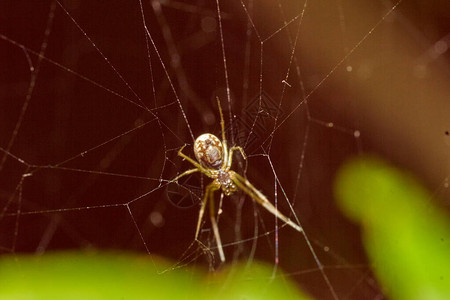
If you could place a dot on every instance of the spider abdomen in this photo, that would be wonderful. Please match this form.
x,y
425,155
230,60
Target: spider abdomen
x,y
208,150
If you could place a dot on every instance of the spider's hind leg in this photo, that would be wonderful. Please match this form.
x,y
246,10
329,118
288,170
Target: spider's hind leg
x,y
184,156
230,156
222,122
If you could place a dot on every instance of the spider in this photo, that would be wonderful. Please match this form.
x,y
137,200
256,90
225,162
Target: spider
x,y
214,159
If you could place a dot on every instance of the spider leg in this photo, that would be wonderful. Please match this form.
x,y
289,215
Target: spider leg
x,y
215,227
259,197
196,164
222,122
210,188
230,156
224,139
184,174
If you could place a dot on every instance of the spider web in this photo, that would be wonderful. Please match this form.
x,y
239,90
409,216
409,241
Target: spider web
x,y
98,97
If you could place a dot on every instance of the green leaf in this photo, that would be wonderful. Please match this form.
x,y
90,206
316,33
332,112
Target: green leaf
x,y
406,237
70,275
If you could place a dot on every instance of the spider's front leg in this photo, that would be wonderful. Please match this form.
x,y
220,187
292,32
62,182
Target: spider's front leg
x,y
259,197
215,228
210,188
209,195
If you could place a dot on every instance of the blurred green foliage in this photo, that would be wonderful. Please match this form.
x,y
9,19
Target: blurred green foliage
x,y
406,237
77,276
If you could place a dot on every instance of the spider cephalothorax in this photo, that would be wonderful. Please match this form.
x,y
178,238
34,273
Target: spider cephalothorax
x,y
224,178
214,160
